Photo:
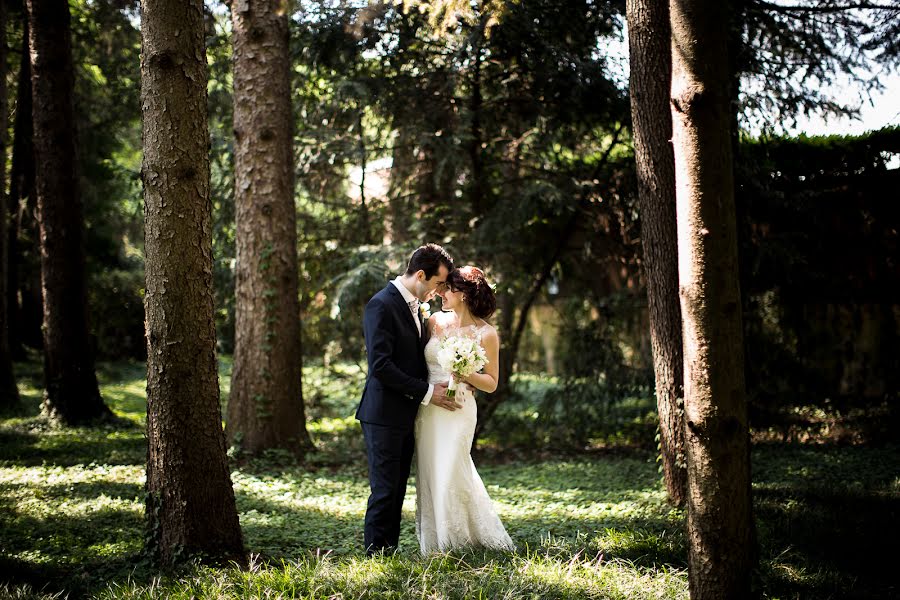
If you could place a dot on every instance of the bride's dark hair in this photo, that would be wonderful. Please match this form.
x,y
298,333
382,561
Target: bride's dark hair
x,y
479,296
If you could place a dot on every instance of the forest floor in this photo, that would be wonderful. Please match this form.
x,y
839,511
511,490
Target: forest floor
x,y
588,524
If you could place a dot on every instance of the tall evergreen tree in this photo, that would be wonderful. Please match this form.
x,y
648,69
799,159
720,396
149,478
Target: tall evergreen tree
x,y
72,394
24,274
190,500
719,523
650,62
9,393
265,409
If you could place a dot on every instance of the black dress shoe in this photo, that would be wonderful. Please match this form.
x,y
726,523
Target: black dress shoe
x,y
380,551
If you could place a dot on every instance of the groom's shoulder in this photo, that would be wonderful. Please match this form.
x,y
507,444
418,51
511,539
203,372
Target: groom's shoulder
x,y
380,297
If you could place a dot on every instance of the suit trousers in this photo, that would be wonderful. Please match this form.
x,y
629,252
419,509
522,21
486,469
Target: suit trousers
x,y
390,452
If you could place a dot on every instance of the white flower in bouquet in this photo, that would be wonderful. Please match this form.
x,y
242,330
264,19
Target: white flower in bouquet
x,y
462,356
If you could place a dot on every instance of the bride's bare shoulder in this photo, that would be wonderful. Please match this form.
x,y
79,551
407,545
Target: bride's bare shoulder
x,y
488,330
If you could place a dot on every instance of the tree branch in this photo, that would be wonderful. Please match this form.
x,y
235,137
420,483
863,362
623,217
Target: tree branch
x,y
824,9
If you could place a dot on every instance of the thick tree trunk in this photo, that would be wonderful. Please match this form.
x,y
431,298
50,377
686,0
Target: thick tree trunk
x,y
190,502
72,394
9,393
265,409
24,249
650,60
716,434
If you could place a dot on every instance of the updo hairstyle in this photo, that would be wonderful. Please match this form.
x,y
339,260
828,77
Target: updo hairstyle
x,y
479,296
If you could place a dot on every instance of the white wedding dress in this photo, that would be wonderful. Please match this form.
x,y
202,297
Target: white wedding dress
x,y
453,508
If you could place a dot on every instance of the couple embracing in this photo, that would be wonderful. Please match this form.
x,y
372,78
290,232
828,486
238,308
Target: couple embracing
x,y
406,407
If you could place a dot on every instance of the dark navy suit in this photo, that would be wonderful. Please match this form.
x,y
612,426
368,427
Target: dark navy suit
x,y
395,387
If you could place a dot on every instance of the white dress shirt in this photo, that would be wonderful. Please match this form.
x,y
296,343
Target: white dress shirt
x,y
408,297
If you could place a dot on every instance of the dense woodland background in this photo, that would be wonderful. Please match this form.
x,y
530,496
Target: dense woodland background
x,y
817,224
504,132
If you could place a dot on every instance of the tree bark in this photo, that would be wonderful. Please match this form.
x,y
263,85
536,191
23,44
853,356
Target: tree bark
x,y
190,501
650,62
24,244
265,409
719,523
9,393
72,394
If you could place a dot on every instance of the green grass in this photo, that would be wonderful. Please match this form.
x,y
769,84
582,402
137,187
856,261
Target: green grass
x,y
587,525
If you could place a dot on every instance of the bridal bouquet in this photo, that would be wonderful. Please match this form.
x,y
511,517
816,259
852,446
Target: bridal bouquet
x,y
461,356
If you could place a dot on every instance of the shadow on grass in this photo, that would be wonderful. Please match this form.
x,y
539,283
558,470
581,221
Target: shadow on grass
x,y
65,447
67,552
88,490
580,481
646,542
819,513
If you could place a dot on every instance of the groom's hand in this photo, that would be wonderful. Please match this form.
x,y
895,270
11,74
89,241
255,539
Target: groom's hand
x,y
439,398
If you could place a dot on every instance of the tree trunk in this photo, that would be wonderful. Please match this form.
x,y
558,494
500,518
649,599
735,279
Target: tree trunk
x,y
716,436
650,60
24,250
190,502
71,395
9,393
265,409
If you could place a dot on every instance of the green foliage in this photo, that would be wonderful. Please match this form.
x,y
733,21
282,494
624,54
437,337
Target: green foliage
x,y
221,173
792,59
106,51
604,395
817,233
359,273
573,414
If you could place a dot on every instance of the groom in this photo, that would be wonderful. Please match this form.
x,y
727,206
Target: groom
x,y
395,388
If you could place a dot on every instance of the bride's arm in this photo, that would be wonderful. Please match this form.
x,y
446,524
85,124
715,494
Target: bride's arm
x,y
486,381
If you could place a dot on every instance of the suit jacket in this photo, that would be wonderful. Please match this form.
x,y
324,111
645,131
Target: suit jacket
x,y
397,379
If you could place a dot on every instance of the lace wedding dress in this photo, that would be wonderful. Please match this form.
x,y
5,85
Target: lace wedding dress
x,y
453,508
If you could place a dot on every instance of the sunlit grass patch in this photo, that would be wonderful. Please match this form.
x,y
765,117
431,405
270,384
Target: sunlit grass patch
x,y
70,518
286,514
462,575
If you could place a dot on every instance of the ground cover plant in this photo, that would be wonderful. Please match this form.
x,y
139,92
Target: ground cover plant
x,y
589,523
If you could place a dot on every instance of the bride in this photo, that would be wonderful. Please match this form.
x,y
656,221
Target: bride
x,y
453,508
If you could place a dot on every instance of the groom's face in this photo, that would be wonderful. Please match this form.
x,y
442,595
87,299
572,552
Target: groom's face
x,y
428,288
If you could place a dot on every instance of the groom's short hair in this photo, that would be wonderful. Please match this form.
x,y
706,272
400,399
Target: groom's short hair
x,y
429,258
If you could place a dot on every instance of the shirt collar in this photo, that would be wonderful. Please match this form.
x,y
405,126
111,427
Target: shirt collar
x,y
407,295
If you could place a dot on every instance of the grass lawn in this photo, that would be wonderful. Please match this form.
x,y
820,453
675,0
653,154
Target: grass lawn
x,y
591,524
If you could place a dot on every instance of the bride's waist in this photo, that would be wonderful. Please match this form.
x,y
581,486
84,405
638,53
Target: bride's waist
x,y
438,376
